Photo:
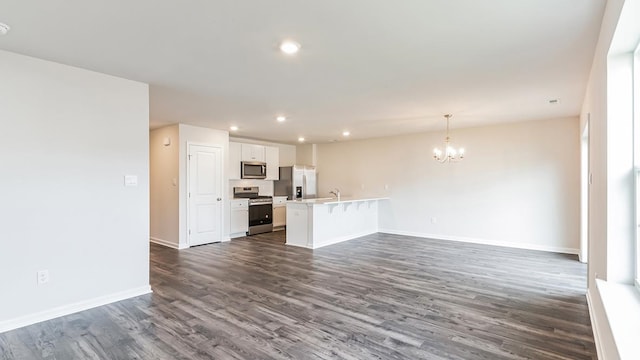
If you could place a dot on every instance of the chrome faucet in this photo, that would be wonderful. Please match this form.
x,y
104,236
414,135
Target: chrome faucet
x,y
336,193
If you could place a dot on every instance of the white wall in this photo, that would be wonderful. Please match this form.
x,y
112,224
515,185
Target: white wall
x,y
164,187
70,137
201,136
306,154
518,186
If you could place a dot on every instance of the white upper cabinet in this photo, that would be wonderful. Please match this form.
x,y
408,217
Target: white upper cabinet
x,y
273,162
234,160
239,152
251,152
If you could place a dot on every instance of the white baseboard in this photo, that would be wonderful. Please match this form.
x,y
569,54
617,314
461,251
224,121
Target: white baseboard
x,y
299,245
30,319
335,240
594,325
345,238
167,243
484,241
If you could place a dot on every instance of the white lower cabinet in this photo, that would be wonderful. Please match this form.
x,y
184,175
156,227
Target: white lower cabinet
x,y
279,212
239,218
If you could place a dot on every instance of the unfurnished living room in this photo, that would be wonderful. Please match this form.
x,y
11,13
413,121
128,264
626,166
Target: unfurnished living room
x,y
417,179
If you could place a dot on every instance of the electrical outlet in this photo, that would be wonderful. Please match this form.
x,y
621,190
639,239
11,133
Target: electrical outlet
x,y
43,277
434,220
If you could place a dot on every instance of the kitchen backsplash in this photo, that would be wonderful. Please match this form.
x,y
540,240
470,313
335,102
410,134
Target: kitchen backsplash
x,y
266,186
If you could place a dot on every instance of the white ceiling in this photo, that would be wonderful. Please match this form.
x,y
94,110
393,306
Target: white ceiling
x,y
374,67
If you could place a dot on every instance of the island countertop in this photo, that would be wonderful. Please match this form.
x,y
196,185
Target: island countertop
x,y
328,201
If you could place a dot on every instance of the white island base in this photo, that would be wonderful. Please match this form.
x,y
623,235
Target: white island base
x,y
314,223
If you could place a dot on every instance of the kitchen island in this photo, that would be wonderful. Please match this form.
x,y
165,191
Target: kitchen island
x,y
313,223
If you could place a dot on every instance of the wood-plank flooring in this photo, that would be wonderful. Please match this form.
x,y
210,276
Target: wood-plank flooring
x,y
377,297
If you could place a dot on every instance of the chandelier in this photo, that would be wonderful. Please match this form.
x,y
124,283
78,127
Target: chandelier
x,y
449,154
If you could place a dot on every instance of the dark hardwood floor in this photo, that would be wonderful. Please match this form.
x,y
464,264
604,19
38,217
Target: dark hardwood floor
x,y
377,297
276,237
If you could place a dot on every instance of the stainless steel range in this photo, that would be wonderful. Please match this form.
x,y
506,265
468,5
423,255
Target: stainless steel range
x,y
260,209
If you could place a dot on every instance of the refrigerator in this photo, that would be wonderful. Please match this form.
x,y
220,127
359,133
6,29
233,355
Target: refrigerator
x,y
296,182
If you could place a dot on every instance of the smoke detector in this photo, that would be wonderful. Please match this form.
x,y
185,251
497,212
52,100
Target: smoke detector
x,y
4,29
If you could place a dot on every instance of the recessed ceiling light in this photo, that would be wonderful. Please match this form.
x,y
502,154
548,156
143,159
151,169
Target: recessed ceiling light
x,y
233,128
281,118
301,139
289,47
346,133
4,29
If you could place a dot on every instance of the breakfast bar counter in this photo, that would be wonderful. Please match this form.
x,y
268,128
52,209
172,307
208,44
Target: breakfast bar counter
x,y
313,223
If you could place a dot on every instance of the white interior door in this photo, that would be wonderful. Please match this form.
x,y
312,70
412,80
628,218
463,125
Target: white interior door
x,y
205,195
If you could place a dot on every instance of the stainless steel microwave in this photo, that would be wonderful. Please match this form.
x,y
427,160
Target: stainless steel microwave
x,y
253,170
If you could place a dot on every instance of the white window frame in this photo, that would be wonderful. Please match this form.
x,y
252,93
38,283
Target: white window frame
x,y
636,155
637,209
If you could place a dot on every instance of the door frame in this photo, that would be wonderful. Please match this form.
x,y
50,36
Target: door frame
x,y
188,188
585,190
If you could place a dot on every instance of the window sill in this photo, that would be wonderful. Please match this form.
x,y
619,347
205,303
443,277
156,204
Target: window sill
x,y
622,306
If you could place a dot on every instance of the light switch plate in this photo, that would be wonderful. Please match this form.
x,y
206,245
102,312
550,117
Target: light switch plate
x,y
130,180
43,277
